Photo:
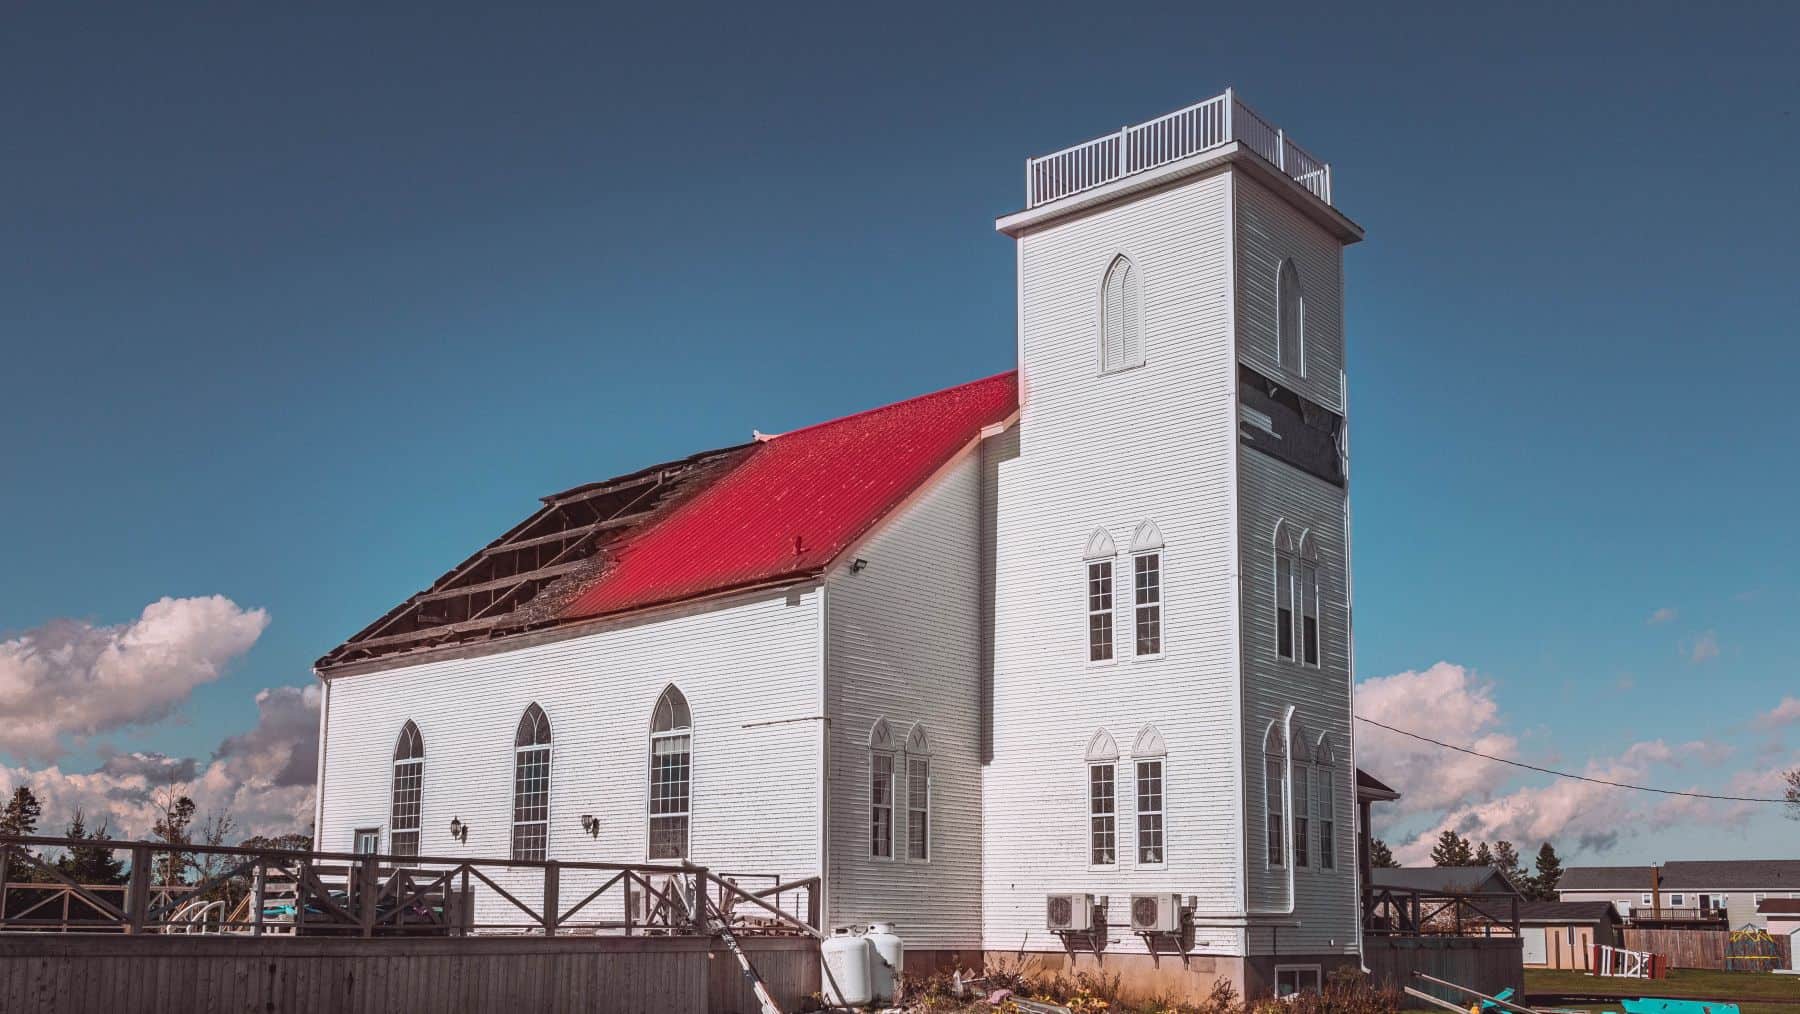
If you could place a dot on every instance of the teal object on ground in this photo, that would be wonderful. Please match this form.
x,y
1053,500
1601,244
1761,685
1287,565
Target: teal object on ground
x,y
1505,994
1648,1005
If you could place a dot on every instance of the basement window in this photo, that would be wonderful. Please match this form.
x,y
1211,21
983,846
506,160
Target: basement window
x,y
1293,979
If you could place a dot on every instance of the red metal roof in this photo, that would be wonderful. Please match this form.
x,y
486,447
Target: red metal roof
x,y
796,501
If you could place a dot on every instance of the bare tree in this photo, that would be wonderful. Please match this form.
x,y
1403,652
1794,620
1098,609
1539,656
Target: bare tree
x,y
1793,794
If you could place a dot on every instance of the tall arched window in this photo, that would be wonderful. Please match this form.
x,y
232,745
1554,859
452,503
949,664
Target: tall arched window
x,y
1121,317
1146,589
1099,561
1325,801
1301,772
531,785
881,790
918,795
1290,335
671,775
409,781
1297,633
1274,791
1103,795
1147,763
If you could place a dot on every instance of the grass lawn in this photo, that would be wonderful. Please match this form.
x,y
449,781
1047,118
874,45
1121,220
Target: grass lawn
x,y
1690,983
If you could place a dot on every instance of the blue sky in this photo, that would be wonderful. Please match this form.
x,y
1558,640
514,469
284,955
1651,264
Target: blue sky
x,y
299,309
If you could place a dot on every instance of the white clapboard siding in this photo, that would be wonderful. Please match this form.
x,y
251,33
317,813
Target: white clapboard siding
x,y
1151,443
903,643
1271,230
749,659
1326,902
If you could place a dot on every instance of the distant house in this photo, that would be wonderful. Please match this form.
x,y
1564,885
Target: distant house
x,y
1782,919
1562,934
1723,892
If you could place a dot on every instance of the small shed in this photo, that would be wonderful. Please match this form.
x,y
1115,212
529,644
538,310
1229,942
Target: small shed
x,y
1782,917
1562,934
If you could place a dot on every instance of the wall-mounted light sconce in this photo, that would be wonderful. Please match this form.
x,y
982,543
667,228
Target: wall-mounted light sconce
x,y
590,824
858,565
458,829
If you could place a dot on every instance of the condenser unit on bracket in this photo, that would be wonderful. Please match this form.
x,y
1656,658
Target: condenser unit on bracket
x,y
1069,913
1156,913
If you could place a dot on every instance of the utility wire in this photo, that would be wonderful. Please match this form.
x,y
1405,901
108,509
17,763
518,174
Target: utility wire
x,y
1566,774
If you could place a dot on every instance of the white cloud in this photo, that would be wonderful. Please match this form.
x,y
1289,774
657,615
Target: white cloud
x,y
1661,616
70,678
1704,648
1785,713
1446,702
264,777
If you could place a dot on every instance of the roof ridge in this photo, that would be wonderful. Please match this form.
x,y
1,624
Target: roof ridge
x,y
889,406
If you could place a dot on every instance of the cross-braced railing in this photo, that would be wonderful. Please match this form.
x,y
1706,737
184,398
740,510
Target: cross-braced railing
x,y
1139,147
207,889
1404,912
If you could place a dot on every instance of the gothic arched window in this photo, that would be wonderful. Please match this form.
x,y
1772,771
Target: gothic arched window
x,y
1290,327
1121,317
671,775
531,785
409,781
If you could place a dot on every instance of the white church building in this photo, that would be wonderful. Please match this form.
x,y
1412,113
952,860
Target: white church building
x,y
991,661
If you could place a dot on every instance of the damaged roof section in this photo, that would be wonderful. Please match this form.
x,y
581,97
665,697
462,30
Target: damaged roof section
x,y
521,580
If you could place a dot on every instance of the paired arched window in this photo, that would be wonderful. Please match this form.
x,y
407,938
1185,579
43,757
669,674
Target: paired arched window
x,y
671,775
918,795
1275,794
409,782
881,790
1290,333
1324,801
1099,562
1103,773
531,785
1121,317
1297,632
1146,588
1147,755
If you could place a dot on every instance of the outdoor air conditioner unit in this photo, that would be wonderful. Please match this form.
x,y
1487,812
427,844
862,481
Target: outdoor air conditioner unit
x,y
1156,913
1069,913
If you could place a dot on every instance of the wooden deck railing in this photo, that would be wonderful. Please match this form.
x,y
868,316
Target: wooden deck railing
x,y
262,892
1138,147
1396,911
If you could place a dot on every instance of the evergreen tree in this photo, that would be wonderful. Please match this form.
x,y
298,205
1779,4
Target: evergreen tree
x,y
1484,856
22,813
1452,849
1793,794
1380,856
90,864
1549,874
1507,859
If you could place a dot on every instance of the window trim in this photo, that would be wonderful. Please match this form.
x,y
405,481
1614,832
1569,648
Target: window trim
x,y
393,824
1104,366
918,750
1275,755
881,746
1282,284
1162,639
1324,787
1161,813
674,731
356,837
1318,978
1111,612
549,749
1102,752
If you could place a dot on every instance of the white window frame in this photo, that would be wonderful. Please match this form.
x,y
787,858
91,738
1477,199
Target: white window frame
x,y
356,840
681,726
1103,754
1283,340
881,748
416,828
918,776
1324,815
1758,897
1109,613
1677,899
1156,606
1644,900
1160,813
1317,972
1275,778
1300,587
1128,358
549,773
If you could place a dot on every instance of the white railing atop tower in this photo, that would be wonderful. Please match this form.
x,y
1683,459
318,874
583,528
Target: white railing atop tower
x,y
1205,125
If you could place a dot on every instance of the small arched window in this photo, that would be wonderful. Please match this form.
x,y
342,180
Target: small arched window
x,y
1147,763
1290,335
881,790
918,796
1121,317
1146,589
1099,562
1103,774
409,781
671,775
531,785
1274,793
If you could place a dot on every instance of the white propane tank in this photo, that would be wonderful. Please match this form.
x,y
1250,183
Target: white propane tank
x,y
846,959
887,961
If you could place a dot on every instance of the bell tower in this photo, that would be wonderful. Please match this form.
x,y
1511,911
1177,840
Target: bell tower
x,y
1182,414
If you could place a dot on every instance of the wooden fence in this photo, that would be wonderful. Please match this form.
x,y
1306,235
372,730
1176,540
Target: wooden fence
x,y
121,974
1695,948
1489,964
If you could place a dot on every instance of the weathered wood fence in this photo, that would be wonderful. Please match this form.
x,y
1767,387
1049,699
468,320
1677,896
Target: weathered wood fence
x,y
1695,948
1489,964
119,974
